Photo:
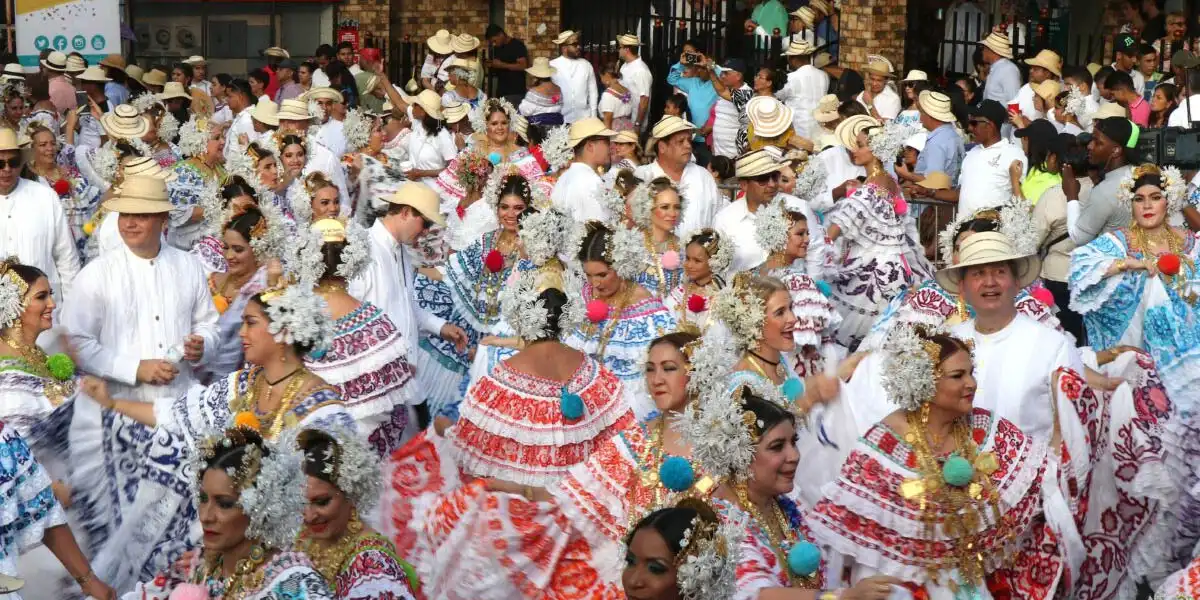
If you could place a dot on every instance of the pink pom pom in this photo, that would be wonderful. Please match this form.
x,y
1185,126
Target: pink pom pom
x,y
189,591
1043,295
900,206
670,260
597,310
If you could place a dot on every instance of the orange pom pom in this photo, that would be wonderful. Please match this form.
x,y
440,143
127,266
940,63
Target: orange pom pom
x,y
247,420
221,303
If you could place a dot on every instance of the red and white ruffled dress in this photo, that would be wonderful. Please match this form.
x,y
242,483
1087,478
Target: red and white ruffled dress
x,y
469,542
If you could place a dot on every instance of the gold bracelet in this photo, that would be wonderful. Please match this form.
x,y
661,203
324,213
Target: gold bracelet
x,y
527,491
85,578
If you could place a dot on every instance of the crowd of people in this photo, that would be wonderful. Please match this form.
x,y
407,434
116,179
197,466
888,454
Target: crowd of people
x,y
309,334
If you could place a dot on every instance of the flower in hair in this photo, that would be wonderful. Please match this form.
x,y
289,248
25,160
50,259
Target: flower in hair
x,y
556,148
1013,219
144,102
741,311
1173,185
354,466
168,127
522,309
710,558
300,316
771,227
810,181
627,250
910,366
105,161
11,302
357,129
1076,104
541,234
886,142
194,136
478,118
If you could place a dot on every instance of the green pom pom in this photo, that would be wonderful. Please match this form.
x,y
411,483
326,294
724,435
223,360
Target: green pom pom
x,y
957,471
61,367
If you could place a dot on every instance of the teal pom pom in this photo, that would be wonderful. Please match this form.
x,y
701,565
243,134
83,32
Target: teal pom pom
x,y
318,353
676,474
793,388
61,367
494,158
804,559
957,471
824,287
571,405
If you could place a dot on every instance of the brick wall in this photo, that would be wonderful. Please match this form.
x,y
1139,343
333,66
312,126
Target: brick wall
x,y
372,16
872,27
420,19
534,21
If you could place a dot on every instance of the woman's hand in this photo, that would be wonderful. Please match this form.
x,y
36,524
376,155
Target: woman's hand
x,y
98,589
97,389
1104,357
441,424
850,364
878,587
62,493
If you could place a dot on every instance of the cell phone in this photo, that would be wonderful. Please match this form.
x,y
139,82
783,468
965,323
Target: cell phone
x,y
81,98
692,58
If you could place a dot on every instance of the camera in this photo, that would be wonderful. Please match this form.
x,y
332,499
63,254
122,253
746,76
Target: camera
x,y
692,58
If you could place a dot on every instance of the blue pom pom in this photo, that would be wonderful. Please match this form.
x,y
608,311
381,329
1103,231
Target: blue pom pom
x,y
571,405
957,471
793,388
494,158
804,559
824,287
318,353
676,474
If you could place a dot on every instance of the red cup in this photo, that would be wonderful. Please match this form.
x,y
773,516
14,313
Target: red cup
x,y
1014,107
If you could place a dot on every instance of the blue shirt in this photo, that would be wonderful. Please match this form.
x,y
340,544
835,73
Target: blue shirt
x,y
700,94
825,31
943,152
116,93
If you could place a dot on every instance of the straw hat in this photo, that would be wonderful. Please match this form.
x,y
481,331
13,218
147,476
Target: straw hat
x,y
464,42
822,59
195,60
936,180
421,197
628,39
439,43
1048,90
827,109
799,48
1047,59
588,128
430,102
462,63
369,84
173,89
456,111
124,122
10,584
94,74
55,61
807,15
325,93
135,73
668,126
756,163
145,166
916,75
998,43
276,52
879,65
76,65
847,131
821,6
936,105
115,61
520,126
1094,68
769,117
293,110
566,37
140,195
988,248
917,141
12,72
154,77
266,112
1108,110
8,139
627,137
541,68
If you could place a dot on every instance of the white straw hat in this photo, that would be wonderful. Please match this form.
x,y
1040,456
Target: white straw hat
x,y
541,68
430,102
456,111
799,48
916,75
669,125
422,198
998,43
440,42
94,75
879,65
194,60
293,110
8,140
628,39
807,15
566,37
277,52
140,194
936,180
936,105
173,89
154,77
985,248
464,42
266,112
768,117
124,122
1047,59
55,61
587,128
325,93
847,131
756,163
76,64
827,109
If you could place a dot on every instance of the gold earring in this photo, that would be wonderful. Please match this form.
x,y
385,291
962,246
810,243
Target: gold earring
x,y
355,526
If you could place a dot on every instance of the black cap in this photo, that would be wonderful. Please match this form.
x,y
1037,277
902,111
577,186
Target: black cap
x,y
287,63
735,64
1117,129
990,110
1040,130
1125,44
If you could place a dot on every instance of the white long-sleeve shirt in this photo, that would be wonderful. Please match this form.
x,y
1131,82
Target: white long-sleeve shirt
x,y
804,88
35,231
124,309
637,77
333,136
577,80
388,283
577,194
241,124
697,186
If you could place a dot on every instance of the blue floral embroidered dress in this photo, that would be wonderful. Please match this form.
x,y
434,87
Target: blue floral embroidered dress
x,y
29,506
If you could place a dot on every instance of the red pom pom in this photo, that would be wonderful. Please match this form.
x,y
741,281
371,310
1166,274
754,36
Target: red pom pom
x,y
697,303
461,211
1043,295
494,261
597,311
61,187
1168,264
900,207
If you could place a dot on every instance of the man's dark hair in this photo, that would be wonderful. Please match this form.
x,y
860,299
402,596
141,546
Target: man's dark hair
x,y
1102,76
492,31
1146,49
241,86
325,51
1119,80
259,75
1079,74
850,108
345,45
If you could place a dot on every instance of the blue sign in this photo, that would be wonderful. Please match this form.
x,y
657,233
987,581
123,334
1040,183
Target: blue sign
x,y
78,43
60,43
41,43
98,42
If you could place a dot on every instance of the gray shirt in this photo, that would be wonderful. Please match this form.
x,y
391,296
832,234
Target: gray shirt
x,y
1103,212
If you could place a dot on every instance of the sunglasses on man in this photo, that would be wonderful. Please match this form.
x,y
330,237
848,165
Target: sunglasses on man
x,y
766,178
12,163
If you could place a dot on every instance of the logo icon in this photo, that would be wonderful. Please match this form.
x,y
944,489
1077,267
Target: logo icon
x,y
41,43
60,42
78,42
98,42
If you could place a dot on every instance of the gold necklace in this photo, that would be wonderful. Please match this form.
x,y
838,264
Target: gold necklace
x,y
758,365
250,404
1144,241
622,299
329,558
56,391
672,244
490,283
781,541
237,581
331,287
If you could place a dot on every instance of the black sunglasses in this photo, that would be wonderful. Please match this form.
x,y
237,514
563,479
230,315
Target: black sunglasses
x,y
427,223
766,177
12,163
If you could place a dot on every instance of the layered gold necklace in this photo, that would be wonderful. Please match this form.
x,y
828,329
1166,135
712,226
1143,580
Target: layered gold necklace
x,y
781,536
246,575
1145,241
249,402
56,390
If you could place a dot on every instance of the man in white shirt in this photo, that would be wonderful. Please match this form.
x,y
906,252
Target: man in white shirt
x,y
730,117
239,102
805,86
1004,78
1188,112
332,130
577,192
576,78
636,76
1047,65
34,227
986,176
671,138
880,96
388,281
758,178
